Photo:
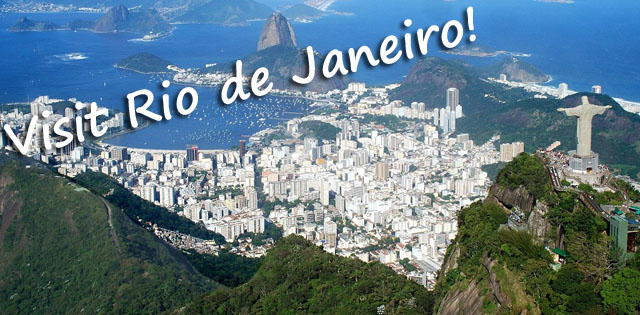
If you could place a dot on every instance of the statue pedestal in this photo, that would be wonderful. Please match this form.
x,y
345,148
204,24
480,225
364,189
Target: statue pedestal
x,y
583,164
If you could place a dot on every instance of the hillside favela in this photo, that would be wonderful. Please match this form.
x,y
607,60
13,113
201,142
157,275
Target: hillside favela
x,y
500,176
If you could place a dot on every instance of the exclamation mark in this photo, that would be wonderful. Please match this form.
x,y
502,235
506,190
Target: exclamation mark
x,y
472,37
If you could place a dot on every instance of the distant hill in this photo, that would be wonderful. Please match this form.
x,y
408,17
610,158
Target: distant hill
x,y
117,19
297,277
278,53
429,78
64,249
227,12
120,19
144,63
517,70
25,24
492,108
302,11
616,133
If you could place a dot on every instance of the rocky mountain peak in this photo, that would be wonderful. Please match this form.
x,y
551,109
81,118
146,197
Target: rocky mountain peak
x,y
277,31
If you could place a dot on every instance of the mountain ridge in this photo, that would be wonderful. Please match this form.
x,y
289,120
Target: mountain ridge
x,y
64,249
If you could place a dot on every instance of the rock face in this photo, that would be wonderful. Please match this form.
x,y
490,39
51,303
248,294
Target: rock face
x,y
512,198
537,224
468,301
112,20
277,31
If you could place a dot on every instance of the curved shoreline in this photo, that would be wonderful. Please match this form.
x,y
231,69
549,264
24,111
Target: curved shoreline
x,y
208,151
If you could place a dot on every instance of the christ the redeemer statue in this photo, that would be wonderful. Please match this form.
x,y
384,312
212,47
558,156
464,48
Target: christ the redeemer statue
x,y
585,113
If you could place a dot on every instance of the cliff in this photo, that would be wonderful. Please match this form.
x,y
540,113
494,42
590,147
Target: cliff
x,y
499,265
276,31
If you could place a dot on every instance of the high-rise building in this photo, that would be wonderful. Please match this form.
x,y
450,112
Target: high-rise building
x,y
444,120
35,108
618,230
340,203
252,198
382,171
356,87
452,120
596,89
119,154
298,188
452,98
330,234
563,90
242,146
508,151
167,196
192,153
69,113
462,137
255,224
149,193
87,123
324,192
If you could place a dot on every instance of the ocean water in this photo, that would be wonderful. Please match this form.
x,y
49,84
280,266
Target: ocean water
x,y
583,43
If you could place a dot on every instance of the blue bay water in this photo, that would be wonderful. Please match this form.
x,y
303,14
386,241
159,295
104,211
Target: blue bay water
x,y
582,43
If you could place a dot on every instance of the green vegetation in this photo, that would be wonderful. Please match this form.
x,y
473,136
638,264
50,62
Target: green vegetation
x,y
227,268
516,115
142,211
633,194
428,80
144,63
268,206
536,122
528,171
270,231
299,277
61,252
319,130
493,169
596,278
622,292
605,197
390,122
